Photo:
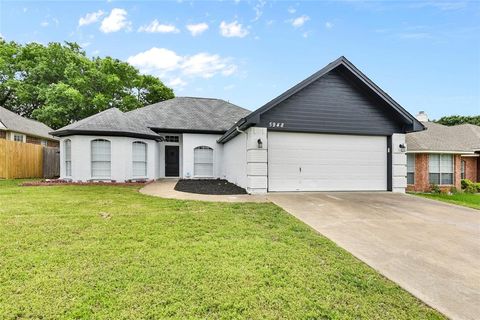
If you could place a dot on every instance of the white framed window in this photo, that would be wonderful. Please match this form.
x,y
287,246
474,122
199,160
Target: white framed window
x,y
172,139
410,168
67,145
44,143
440,169
101,158
463,170
203,162
139,159
18,137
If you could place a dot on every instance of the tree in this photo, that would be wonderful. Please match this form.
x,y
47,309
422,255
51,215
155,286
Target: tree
x,y
58,84
454,120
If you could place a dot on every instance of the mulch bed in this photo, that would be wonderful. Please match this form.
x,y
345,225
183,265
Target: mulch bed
x,y
59,182
209,186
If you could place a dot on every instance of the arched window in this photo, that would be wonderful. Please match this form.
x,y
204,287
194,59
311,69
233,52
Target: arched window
x,y
101,158
203,162
67,149
139,159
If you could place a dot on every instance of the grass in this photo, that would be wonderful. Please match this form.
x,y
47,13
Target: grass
x,y
463,199
100,252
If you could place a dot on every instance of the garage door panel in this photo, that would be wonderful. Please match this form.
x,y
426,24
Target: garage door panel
x,y
325,162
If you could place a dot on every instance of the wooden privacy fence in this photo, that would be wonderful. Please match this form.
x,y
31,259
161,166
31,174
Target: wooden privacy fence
x,y
26,160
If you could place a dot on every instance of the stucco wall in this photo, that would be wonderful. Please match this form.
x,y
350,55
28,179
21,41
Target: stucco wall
x,y
121,157
235,160
193,140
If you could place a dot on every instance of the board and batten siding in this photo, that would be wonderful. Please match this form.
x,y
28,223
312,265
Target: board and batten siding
x,y
332,104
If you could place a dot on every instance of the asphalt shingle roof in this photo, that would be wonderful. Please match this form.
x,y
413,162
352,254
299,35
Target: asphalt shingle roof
x,y
437,137
111,121
189,113
15,122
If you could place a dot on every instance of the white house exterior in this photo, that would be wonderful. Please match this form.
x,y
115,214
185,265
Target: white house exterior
x,y
335,131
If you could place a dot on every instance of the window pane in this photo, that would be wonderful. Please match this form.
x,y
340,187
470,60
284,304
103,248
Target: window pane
x,y
101,159
410,162
139,151
447,178
434,163
203,162
139,169
410,178
68,168
203,170
68,150
434,178
446,163
100,169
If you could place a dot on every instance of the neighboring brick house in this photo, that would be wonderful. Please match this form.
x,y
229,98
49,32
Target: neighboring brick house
x,y
442,155
21,129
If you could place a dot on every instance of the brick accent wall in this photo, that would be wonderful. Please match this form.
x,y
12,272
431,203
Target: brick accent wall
x,y
422,183
51,143
3,134
33,140
471,168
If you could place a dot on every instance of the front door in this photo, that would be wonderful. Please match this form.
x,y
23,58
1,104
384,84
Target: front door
x,y
172,163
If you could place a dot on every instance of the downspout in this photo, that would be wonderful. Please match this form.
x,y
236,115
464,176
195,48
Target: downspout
x,y
241,131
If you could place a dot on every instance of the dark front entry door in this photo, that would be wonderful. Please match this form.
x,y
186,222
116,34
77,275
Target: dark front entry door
x,y
172,163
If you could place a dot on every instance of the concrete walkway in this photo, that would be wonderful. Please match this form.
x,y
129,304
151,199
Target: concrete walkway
x,y
429,248
164,188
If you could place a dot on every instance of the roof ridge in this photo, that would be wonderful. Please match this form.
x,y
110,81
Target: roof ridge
x,y
27,118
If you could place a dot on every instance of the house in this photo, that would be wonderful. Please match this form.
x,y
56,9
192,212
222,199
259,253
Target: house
x,y
336,130
17,128
442,155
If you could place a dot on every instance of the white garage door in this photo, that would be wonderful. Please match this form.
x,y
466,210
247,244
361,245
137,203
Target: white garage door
x,y
326,162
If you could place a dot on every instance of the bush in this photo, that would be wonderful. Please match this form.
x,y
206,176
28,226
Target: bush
x,y
435,188
470,189
465,183
453,190
477,185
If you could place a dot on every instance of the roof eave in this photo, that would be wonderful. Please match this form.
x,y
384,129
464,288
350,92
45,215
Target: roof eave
x,y
71,132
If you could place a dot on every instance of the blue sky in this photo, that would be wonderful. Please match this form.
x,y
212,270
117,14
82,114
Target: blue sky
x,y
425,54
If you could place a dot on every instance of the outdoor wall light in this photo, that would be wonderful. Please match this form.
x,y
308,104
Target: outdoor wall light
x,y
402,147
260,143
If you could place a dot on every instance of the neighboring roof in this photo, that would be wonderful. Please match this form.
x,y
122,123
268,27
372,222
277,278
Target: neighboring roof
x,y
14,122
189,114
109,122
254,117
463,138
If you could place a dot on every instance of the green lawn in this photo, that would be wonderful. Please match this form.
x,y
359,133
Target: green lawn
x,y
112,253
463,199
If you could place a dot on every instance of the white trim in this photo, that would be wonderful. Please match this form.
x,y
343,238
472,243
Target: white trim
x,y
470,155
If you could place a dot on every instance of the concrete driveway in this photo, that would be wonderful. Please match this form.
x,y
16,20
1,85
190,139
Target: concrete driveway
x,y
431,249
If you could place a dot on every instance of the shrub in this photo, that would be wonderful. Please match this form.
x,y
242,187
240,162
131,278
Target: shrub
x,y
477,185
465,183
470,189
435,188
453,190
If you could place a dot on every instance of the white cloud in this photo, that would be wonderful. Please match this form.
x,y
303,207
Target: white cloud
x,y
291,10
177,82
90,18
258,8
157,27
300,21
1,36
414,35
167,63
197,29
44,23
115,21
233,29
328,25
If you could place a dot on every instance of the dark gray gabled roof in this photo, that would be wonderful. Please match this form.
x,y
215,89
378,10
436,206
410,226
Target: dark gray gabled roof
x,y
185,114
111,122
254,117
464,138
14,122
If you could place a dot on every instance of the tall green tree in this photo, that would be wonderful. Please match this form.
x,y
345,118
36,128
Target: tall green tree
x,y
58,84
454,120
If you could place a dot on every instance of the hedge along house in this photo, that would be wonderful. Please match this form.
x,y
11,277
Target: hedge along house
x,y
442,156
334,131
